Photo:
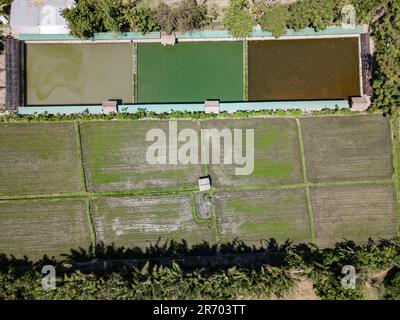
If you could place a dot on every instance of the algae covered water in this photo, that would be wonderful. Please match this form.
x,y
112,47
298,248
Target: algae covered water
x,y
60,74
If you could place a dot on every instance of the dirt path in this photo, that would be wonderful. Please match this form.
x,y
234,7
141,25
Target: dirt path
x,y
303,290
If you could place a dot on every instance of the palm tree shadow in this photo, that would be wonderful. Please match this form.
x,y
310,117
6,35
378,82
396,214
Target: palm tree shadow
x,y
106,258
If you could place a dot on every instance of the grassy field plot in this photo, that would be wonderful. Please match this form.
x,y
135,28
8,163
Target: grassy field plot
x,y
140,221
39,158
35,228
347,148
276,152
115,157
354,213
190,72
258,215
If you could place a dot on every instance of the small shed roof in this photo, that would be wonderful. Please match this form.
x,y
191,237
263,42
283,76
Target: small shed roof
x,y
108,107
204,183
168,39
211,106
360,103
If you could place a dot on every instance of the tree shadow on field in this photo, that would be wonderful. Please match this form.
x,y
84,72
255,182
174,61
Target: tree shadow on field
x,y
104,258
201,255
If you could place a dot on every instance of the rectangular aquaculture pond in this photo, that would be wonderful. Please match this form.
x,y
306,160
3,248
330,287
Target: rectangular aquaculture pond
x,y
69,74
303,69
190,72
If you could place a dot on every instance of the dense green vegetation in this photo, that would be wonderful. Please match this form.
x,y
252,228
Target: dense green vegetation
x,y
317,14
88,17
186,16
275,20
392,285
238,19
141,18
21,279
84,19
386,32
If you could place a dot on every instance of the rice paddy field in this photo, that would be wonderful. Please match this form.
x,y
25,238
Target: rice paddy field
x,y
253,216
335,151
316,179
38,158
147,220
353,212
276,153
36,227
114,157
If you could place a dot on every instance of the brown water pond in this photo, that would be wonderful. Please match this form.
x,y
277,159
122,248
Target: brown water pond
x,y
305,69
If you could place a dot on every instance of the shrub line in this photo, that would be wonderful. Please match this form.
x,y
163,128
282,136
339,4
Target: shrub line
x,y
143,115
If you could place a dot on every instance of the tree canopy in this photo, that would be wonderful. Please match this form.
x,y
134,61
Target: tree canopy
x,y
238,19
275,20
141,18
88,17
84,19
317,14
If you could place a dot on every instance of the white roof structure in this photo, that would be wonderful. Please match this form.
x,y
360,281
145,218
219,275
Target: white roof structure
x,y
3,20
204,183
39,16
211,106
109,107
168,39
